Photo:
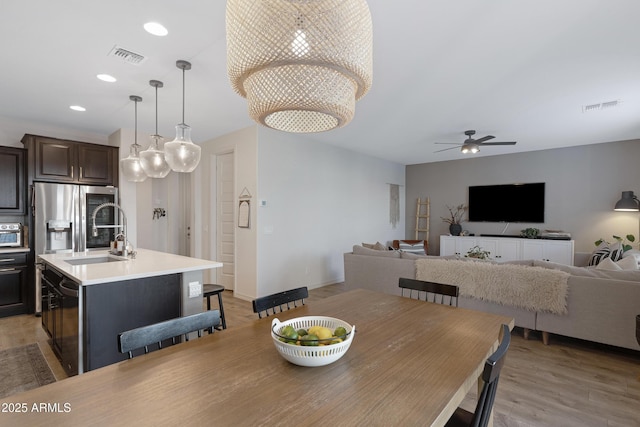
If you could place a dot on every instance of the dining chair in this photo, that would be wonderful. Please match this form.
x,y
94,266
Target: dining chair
x,y
278,300
490,376
209,290
439,293
145,336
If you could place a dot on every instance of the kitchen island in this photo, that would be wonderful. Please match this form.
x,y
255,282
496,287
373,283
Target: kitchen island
x,y
91,297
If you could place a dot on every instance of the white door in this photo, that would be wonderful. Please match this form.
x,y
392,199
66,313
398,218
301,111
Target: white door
x,y
225,221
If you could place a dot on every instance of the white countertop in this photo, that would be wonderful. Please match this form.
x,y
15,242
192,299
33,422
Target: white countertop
x,y
147,263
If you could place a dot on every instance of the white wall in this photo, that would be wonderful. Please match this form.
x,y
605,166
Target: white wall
x,y
582,185
321,200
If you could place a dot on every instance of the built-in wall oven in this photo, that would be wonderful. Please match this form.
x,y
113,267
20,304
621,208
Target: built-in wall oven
x,y
60,317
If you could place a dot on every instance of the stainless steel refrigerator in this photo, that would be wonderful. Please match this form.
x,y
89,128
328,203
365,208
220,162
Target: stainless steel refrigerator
x,y
63,221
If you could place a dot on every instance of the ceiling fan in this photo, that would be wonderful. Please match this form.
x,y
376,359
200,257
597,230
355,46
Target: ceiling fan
x,y
471,145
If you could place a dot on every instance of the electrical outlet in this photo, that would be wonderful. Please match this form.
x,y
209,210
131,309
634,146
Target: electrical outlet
x,y
194,289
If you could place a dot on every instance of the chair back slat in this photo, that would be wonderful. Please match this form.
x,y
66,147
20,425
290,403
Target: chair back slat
x,y
490,377
438,293
278,300
169,329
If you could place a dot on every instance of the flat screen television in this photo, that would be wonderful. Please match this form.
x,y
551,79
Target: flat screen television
x,y
507,203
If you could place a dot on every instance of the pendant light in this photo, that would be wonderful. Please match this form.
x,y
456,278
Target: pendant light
x,y
301,64
182,154
152,159
131,168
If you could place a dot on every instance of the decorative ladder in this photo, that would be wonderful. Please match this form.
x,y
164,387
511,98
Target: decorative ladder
x,y
422,218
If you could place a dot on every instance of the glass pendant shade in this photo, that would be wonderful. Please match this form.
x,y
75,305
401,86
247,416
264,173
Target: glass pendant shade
x,y
301,64
153,160
181,154
130,166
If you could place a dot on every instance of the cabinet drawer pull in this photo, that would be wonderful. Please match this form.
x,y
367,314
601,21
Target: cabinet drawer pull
x,y
7,260
72,172
6,269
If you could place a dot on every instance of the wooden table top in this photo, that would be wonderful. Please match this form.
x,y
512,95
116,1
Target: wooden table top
x,y
411,363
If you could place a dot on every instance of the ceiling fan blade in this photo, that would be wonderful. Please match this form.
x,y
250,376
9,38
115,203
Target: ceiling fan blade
x,y
484,138
450,148
500,143
449,143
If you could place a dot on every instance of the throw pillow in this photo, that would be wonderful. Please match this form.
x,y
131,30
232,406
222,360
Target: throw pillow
x,y
608,264
417,248
616,251
601,252
377,246
628,263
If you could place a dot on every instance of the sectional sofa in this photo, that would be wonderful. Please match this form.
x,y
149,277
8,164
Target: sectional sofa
x,y
602,305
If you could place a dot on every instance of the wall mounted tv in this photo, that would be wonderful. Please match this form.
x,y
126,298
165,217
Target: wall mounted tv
x,y
507,203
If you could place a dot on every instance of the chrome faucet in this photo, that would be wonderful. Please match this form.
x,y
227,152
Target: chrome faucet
x,y
94,227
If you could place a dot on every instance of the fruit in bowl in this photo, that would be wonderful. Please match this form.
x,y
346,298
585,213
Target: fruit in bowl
x,y
315,336
312,340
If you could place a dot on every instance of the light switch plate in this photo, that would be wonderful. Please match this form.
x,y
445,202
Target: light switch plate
x,y
194,289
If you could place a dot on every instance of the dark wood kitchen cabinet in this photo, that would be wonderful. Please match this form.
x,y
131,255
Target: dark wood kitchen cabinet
x,y
12,177
60,160
13,284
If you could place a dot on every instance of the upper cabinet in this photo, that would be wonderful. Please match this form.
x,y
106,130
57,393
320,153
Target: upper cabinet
x,y
12,177
59,160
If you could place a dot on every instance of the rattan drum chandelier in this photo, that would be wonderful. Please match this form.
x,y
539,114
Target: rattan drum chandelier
x,y
301,64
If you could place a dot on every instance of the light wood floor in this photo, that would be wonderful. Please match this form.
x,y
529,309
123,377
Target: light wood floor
x,y
568,383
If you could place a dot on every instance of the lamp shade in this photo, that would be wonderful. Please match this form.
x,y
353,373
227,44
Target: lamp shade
x,y
301,64
181,154
131,167
152,159
628,202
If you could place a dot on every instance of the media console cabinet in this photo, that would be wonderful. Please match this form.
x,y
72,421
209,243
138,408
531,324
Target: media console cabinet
x,y
510,248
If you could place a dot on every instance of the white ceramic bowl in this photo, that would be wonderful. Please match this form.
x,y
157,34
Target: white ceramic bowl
x,y
312,355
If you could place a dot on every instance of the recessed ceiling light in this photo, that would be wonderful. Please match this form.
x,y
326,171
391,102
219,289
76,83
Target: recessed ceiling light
x,y
106,78
156,29
77,108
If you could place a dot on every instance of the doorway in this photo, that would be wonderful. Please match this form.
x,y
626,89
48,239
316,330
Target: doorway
x,y
225,220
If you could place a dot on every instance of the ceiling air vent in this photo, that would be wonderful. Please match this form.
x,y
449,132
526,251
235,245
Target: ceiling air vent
x,y
600,106
127,56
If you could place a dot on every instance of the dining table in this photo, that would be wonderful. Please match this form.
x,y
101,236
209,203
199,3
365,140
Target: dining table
x,y
411,362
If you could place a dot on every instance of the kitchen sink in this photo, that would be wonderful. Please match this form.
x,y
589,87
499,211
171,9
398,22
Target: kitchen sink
x,y
93,260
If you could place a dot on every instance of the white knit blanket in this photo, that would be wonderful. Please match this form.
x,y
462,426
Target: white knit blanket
x,y
530,288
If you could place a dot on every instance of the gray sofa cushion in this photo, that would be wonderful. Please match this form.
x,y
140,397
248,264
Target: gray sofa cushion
x,y
593,272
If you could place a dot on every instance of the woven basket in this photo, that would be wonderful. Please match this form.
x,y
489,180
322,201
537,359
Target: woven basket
x,y
312,356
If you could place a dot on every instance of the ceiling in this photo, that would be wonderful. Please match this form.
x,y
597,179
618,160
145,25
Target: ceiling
x,y
520,70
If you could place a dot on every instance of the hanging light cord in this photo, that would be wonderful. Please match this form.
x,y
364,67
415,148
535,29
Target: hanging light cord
x,y
135,135
156,110
183,96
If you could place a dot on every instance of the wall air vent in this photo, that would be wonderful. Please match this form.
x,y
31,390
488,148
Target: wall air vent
x,y
127,55
600,106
